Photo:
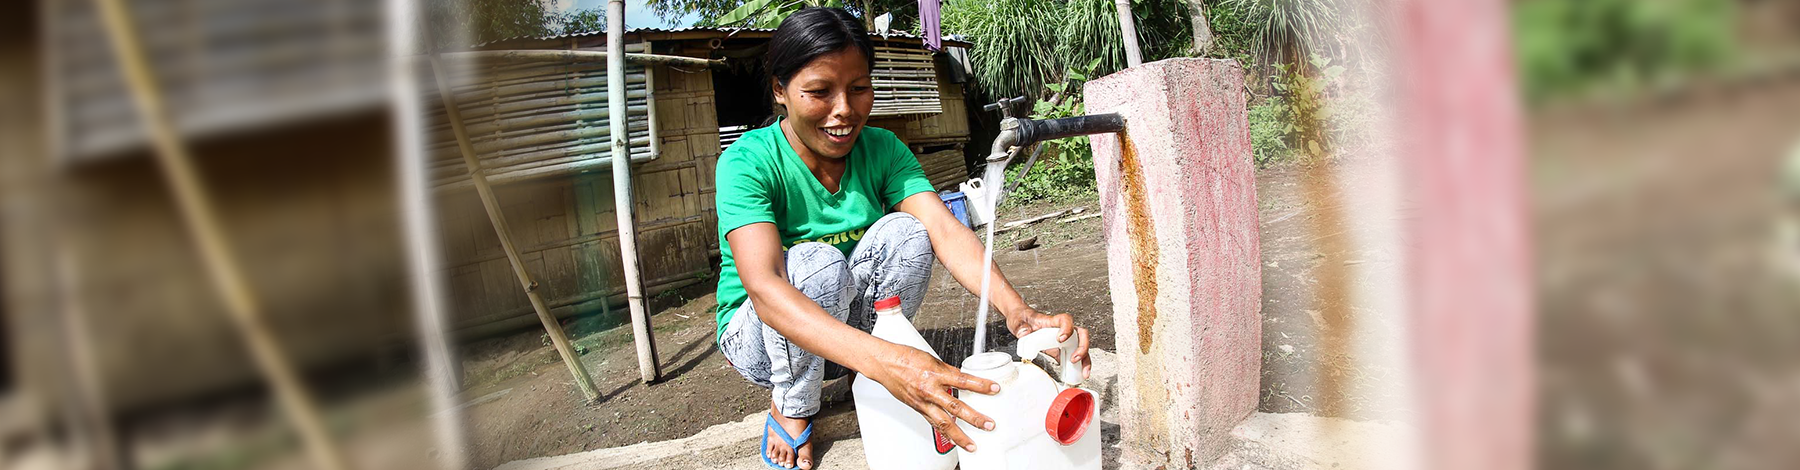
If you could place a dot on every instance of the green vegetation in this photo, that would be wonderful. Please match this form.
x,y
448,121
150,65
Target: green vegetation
x,y
457,25
1066,167
1089,31
1014,49
768,14
1022,45
1270,126
1285,31
1574,47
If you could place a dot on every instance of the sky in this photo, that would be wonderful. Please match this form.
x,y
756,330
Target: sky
x,y
637,13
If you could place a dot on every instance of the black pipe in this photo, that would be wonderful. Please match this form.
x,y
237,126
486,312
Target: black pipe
x,y
1034,131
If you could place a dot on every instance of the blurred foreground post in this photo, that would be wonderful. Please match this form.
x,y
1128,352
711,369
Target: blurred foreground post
x,y
1178,200
1471,306
406,32
216,253
558,339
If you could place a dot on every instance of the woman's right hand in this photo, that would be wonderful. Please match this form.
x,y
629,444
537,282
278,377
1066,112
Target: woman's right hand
x,y
924,382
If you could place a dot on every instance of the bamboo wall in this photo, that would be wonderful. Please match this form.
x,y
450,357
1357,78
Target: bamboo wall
x,y
566,228
308,202
331,61
936,138
312,214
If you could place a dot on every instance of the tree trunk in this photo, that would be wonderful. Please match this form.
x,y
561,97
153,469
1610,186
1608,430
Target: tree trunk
x,y
868,15
1203,36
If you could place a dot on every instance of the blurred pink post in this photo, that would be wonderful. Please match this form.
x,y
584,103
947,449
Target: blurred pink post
x,y
1470,287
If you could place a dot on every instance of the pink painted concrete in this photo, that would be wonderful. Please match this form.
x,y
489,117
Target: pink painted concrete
x,y
1183,252
1469,263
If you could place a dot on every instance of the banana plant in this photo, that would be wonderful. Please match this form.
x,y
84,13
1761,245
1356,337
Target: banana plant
x,y
768,13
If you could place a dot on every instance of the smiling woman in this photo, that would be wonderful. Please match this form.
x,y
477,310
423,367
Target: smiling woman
x,y
820,216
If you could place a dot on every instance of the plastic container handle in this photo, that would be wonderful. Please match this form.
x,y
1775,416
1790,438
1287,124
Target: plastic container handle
x,y
1044,339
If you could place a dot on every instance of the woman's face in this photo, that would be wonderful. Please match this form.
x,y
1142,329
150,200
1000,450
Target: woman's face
x,y
828,101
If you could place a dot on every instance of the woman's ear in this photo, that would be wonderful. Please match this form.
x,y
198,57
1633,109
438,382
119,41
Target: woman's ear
x,y
780,96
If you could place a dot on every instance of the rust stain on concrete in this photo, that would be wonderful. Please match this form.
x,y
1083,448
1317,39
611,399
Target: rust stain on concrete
x,y
1138,228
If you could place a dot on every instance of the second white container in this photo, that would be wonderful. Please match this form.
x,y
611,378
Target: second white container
x,y
1038,423
894,435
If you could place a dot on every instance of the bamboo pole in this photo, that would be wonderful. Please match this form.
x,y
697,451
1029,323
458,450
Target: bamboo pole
x,y
209,237
1128,28
621,174
584,56
650,112
88,403
479,178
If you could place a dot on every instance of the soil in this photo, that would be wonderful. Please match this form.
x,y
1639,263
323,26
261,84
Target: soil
x,y
1667,336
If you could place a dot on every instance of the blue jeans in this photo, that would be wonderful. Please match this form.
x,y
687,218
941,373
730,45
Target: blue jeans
x,y
892,259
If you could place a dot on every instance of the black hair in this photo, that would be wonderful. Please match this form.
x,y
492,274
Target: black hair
x,y
810,33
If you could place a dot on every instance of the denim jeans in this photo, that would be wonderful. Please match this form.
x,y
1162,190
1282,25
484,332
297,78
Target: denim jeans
x,y
893,258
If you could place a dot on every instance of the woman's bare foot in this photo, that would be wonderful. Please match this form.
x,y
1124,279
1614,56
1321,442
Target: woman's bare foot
x,y
778,448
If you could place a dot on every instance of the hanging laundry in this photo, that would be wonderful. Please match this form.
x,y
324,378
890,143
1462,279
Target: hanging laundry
x,y
932,20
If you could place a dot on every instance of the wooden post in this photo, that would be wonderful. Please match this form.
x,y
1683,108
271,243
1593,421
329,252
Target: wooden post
x,y
641,332
479,177
1128,28
215,251
87,403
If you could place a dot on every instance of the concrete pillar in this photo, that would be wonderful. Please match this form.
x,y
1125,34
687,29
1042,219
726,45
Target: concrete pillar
x,y
1178,204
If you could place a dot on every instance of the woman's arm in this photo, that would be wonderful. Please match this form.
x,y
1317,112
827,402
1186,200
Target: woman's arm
x,y
960,251
911,375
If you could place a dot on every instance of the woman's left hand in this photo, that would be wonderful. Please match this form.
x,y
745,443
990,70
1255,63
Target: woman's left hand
x,y
1028,320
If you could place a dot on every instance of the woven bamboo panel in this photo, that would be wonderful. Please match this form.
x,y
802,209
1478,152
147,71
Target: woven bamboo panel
x,y
944,168
224,67
537,119
905,81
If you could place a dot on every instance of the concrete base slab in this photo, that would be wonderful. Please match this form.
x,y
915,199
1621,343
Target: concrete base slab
x,y
734,445
1265,441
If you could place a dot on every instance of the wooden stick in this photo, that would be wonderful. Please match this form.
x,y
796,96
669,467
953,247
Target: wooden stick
x,y
209,237
479,178
584,56
88,403
1021,223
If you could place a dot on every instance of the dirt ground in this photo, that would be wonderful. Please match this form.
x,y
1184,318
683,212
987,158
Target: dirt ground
x,y
526,405
1665,338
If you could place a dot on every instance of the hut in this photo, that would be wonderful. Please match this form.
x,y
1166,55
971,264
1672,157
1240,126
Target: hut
x,y
541,131
296,147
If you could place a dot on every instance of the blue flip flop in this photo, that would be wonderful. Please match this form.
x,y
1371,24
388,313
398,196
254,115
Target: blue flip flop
x,y
792,442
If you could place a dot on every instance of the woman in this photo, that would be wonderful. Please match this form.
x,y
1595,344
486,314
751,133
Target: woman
x,y
819,217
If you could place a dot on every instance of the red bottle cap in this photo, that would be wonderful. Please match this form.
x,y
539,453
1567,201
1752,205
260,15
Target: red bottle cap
x,y
887,303
1070,414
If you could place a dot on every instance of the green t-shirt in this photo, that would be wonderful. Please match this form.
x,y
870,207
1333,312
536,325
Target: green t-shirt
x,y
761,179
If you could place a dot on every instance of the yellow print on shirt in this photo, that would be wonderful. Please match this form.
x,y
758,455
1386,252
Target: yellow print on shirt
x,y
833,239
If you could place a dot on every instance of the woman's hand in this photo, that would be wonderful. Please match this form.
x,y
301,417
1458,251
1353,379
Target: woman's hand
x,y
1028,319
923,383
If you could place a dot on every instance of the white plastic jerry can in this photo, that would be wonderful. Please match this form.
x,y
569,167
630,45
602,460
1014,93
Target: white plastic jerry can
x,y
1038,423
978,198
894,435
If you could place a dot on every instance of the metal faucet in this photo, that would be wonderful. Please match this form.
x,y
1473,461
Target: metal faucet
x,y
1017,132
